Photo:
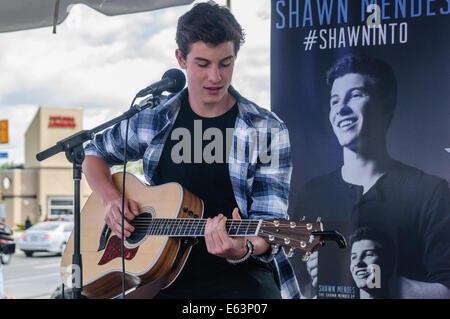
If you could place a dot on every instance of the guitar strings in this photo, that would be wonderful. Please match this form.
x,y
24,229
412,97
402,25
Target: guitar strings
x,y
180,225
187,226
151,220
184,225
137,218
294,243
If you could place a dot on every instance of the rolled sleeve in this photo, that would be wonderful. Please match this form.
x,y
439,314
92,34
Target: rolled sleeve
x,y
110,144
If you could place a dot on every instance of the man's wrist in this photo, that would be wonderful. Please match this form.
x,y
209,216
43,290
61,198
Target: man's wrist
x,y
110,196
245,249
250,249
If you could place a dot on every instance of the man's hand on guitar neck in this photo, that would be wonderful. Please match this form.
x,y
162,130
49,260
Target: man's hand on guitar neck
x,y
220,244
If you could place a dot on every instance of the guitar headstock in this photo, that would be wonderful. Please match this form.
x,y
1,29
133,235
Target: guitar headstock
x,y
298,235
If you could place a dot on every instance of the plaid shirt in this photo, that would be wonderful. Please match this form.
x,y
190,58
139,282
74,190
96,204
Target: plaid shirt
x,y
261,187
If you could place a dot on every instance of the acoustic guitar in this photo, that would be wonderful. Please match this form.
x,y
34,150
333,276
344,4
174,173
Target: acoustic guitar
x,y
165,230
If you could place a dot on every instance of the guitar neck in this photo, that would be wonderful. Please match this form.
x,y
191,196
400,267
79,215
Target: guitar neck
x,y
190,227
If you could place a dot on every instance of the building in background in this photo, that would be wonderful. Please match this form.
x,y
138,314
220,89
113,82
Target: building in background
x,y
42,190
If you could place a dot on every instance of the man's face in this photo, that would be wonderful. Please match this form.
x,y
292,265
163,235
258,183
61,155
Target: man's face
x,y
364,253
356,113
209,71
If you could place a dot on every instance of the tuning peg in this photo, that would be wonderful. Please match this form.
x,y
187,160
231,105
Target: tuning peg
x,y
290,253
275,249
305,257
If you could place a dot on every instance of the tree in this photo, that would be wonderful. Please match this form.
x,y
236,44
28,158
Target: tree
x,y
136,168
10,165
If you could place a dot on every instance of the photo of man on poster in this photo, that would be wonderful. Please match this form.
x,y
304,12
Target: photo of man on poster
x,y
372,262
371,187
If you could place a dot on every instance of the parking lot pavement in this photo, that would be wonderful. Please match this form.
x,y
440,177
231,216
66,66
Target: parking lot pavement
x,y
32,277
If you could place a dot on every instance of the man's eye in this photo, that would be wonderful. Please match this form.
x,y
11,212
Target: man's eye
x,y
225,65
202,65
357,94
334,102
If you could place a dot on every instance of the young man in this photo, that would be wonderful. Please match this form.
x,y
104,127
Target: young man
x,y
373,189
372,251
219,266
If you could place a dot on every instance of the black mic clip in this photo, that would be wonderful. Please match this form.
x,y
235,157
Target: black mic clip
x,y
146,104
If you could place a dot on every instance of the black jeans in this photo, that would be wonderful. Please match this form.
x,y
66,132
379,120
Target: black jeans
x,y
251,279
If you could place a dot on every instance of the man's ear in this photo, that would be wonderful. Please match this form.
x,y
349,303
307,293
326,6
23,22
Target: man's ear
x,y
180,58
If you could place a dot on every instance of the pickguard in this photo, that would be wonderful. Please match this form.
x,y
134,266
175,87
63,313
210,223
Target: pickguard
x,y
114,250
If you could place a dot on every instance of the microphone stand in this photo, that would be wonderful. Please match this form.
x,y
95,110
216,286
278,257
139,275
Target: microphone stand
x,y
73,148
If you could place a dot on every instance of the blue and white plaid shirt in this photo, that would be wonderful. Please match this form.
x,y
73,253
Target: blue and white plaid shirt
x,y
260,186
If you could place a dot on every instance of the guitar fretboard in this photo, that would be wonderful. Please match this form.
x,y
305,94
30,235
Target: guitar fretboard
x,y
190,227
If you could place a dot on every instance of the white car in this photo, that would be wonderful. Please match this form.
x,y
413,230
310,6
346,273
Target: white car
x,y
45,237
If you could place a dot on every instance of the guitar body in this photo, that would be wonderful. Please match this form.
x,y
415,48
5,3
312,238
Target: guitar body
x,y
169,220
147,259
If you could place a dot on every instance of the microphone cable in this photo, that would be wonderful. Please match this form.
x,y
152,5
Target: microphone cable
x,y
123,203
176,86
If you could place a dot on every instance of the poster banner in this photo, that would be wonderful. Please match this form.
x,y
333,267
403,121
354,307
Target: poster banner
x,y
363,87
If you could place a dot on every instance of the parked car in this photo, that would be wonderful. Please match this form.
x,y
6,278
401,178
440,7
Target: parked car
x,y
7,245
49,236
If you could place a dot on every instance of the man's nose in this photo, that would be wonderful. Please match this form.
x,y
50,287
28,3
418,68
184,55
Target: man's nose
x,y
360,263
342,108
214,74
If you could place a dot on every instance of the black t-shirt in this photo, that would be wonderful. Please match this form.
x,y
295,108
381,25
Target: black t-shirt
x,y
196,157
205,275
406,207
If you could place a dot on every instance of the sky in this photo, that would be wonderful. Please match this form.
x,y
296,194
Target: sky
x,y
98,63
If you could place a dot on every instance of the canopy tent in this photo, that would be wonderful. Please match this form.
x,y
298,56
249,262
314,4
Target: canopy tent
x,y
29,14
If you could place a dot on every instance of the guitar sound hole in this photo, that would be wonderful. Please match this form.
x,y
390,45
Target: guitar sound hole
x,y
140,224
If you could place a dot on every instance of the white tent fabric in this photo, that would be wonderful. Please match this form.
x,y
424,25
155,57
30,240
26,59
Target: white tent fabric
x,y
18,15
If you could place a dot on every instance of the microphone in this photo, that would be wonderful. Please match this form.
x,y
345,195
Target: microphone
x,y
173,81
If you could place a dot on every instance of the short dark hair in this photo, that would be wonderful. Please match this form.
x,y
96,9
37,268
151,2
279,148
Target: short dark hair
x,y
370,233
209,23
382,74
